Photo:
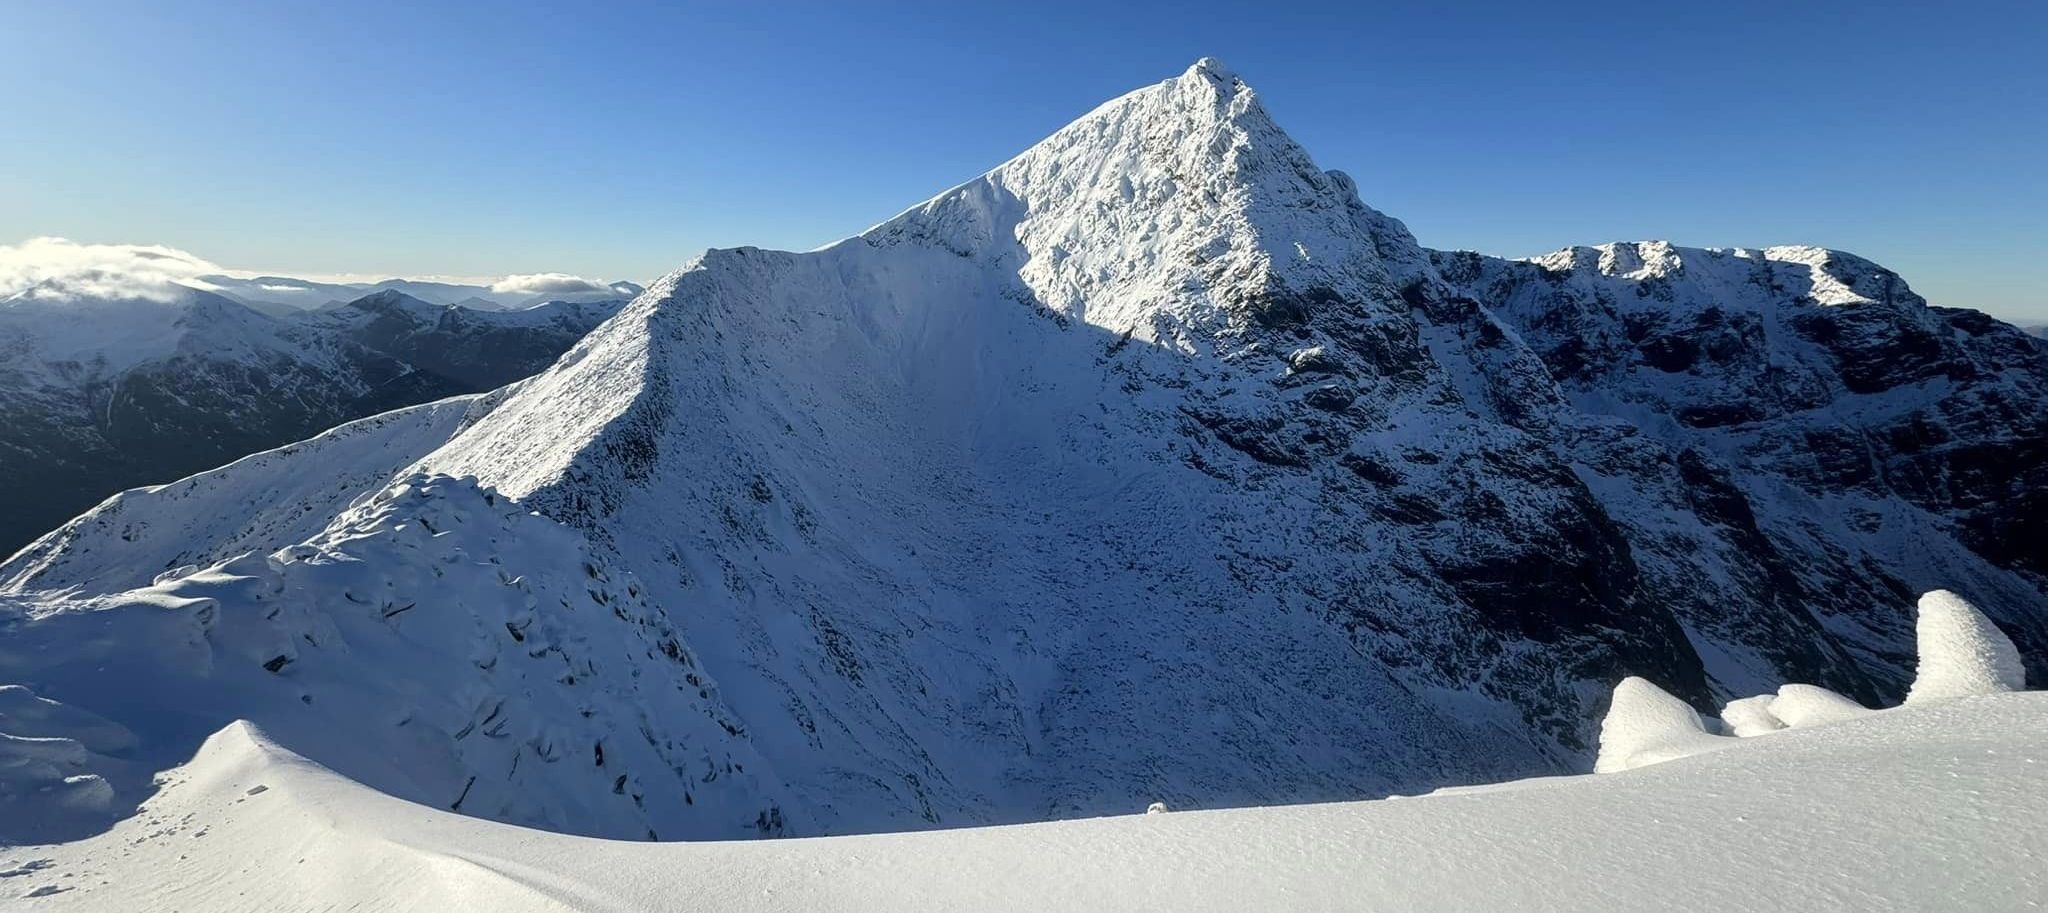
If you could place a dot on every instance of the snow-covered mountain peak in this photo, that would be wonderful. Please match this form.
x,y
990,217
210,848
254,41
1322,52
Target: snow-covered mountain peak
x,y
1213,69
60,321
1175,213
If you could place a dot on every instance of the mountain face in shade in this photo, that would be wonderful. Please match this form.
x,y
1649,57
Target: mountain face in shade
x,y
104,394
1152,464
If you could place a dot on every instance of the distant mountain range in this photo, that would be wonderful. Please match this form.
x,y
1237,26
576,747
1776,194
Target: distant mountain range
x,y
274,295
102,394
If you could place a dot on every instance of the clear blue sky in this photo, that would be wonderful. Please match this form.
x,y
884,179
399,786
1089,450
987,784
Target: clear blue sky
x,y
615,140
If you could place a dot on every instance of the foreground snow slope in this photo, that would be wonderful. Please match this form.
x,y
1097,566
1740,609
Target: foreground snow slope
x,y
1921,808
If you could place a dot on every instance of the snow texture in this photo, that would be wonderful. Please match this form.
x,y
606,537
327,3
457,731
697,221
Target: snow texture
x,y
1810,705
1750,716
1961,652
1646,725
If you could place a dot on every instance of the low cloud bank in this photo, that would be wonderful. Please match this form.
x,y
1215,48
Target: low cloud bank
x,y
59,268
549,284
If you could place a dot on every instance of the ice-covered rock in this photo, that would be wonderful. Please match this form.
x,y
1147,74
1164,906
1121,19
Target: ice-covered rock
x,y
1961,652
1646,725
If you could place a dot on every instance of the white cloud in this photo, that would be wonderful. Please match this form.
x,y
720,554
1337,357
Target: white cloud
x,y
59,268
548,284
62,269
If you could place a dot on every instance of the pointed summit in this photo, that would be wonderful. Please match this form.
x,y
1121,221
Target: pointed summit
x,y
1214,69
1182,201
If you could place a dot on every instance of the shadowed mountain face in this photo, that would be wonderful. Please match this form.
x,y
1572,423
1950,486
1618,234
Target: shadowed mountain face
x,y
199,381
1153,464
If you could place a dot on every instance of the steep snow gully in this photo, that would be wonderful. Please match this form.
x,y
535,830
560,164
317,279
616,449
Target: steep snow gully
x,y
1151,465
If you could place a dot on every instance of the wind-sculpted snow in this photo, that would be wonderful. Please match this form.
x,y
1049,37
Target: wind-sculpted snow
x,y
1962,655
1961,652
1154,466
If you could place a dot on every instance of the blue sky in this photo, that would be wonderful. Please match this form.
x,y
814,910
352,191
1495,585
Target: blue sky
x,y
616,140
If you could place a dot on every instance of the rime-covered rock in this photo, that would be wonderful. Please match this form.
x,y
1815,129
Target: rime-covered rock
x,y
1645,725
1961,652
1750,716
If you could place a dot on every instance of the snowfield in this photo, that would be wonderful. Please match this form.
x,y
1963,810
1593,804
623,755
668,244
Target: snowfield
x,y
1921,808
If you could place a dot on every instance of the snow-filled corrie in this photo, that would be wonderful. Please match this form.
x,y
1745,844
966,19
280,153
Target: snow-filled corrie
x,y
438,642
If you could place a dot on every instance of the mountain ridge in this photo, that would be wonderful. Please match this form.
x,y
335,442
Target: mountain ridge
x,y
102,394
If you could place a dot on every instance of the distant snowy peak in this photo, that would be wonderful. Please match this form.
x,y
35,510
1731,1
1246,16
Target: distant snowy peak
x,y
56,323
1828,277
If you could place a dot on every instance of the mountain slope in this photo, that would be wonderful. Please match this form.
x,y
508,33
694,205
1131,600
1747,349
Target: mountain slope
x,y
1878,446
1151,465
100,394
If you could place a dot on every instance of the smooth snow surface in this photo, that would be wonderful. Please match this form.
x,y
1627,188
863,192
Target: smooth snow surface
x,y
1961,652
1917,809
